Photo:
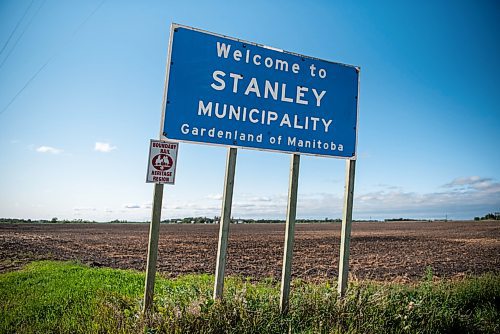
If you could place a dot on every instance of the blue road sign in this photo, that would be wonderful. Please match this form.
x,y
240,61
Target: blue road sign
x,y
224,91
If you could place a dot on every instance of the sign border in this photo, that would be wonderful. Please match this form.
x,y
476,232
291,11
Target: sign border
x,y
174,26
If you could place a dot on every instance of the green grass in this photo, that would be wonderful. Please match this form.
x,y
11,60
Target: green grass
x,y
55,297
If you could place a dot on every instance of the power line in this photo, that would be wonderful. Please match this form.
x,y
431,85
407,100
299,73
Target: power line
x,y
22,34
25,85
85,21
17,25
53,56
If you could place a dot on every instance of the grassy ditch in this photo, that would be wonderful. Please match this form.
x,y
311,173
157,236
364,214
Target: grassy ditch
x,y
55,297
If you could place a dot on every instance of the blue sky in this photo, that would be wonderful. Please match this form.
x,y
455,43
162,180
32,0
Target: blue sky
x,y
74,141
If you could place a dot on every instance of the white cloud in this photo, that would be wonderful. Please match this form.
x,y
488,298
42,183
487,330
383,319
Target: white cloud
x,y
462,198
472,183
104,147
217,197
465,181
48,149
84,209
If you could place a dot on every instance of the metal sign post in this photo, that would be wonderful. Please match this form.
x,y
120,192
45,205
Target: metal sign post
x,y
345,237
154,232
289,232
224,222
162,163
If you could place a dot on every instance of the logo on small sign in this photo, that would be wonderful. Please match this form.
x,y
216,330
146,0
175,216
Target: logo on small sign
x,y
162,162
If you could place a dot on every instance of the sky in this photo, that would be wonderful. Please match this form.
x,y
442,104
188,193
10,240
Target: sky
x,y
81,89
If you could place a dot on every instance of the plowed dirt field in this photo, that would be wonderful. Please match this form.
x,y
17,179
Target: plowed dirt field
x,y
391,251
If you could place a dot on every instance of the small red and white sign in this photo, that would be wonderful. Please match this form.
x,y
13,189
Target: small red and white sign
x,y
162,162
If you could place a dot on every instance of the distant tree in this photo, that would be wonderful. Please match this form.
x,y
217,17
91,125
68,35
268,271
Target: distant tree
x,y
489,216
